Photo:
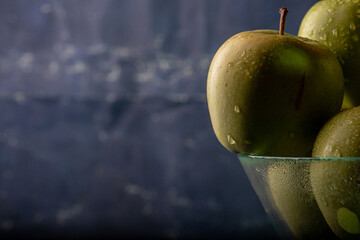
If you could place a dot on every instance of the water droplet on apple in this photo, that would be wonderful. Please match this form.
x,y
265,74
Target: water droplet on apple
x,y
231,140
323,37
247,72
243,53
352,26
237,109
335,32
231,64
336,152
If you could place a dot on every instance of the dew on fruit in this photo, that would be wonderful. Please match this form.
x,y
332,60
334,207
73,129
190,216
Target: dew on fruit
x,y
328,149
231,64
231,140
237,109
335,32
247,72
352,26
243,53
311,32
336,152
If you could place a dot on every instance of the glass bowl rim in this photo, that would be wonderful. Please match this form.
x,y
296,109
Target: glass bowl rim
x,y
279,158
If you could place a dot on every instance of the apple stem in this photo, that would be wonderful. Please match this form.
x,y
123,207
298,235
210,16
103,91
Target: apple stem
x,y
283,12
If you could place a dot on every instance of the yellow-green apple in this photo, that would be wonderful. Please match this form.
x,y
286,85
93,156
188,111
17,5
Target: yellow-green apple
x,y
336,24
269,93
336,183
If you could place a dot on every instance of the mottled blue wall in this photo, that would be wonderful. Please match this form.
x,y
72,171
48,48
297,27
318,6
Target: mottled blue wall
x,y
105,128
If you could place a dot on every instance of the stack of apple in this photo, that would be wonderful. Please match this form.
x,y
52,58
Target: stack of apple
x,y
276,94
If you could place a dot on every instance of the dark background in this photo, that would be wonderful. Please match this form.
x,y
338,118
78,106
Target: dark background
x,y
104,127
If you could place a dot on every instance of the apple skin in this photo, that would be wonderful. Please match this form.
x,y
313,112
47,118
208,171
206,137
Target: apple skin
x,y
336,184
336,24
269,94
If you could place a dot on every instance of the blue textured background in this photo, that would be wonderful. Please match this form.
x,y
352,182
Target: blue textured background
x,y
104,127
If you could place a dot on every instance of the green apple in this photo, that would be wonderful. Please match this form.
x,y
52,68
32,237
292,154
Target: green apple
x,y
290,187
336,24
336,184
269,93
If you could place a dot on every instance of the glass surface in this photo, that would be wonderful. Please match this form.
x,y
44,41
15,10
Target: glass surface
x,y
308,198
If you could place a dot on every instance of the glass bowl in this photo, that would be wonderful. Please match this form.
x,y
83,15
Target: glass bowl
x,y
308,198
